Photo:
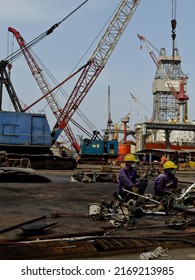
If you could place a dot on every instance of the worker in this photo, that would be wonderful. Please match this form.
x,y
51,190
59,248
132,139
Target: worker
x,y
166,182
144,158
163,159
128,178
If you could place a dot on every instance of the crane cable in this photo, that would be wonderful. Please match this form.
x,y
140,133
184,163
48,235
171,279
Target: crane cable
x,y
61,89
173,25
15,55
29,45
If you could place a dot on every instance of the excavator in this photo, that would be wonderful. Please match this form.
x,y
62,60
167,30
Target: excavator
x,y
90,71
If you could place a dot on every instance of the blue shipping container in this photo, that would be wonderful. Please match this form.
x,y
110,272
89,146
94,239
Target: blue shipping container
x,y
18,128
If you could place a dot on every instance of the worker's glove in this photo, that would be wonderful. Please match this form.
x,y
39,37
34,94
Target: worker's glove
x,y
135,189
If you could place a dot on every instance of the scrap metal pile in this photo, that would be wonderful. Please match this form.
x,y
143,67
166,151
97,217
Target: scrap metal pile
x,y
179,209
107,174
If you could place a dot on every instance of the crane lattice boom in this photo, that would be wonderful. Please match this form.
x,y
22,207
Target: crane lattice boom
x,y
43,85
98,60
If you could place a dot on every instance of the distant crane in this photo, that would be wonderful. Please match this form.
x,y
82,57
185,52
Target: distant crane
x,y
122,128
109,122
108,132
136,100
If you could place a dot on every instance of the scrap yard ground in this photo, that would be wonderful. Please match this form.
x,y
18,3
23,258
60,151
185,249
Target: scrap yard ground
x,y
23,202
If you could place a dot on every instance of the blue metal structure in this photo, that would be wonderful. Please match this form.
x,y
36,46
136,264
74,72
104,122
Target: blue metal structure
x,y
28,136
98,149
27,129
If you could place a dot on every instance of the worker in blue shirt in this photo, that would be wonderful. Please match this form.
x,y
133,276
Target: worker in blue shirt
x,y
166,182
128,178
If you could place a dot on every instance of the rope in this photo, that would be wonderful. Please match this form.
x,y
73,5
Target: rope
x,y
29,45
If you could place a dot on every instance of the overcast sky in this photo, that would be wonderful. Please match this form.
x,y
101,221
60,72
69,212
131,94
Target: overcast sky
x,y
129,69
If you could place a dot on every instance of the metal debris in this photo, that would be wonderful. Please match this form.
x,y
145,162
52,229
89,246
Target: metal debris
x,y
93,177
158,252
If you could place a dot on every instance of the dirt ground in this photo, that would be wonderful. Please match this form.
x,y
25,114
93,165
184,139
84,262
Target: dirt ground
x,y
22,202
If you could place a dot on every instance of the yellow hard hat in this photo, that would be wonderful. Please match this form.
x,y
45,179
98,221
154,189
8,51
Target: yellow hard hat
x,y
169,164
130,157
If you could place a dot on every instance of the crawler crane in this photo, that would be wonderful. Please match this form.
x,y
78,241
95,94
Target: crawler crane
x,y
43,85
98,60
89,75
95,65
28,135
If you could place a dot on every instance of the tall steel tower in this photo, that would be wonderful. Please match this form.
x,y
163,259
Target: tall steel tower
x,y
168,77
